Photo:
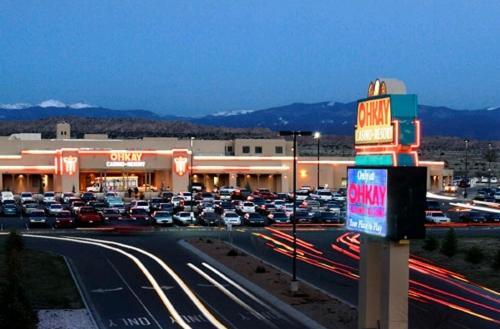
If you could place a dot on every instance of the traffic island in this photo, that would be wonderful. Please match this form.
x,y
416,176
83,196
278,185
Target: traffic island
x,y
325,310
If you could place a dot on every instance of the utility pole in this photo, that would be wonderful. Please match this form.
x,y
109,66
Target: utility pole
x,y
317,136
466,180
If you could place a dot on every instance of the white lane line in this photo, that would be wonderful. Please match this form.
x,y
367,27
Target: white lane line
x,y
226,292
237,286
466,205
196,301
139,264
132,291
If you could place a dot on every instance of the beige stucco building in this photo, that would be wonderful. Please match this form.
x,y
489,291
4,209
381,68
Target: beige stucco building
x,y
30,163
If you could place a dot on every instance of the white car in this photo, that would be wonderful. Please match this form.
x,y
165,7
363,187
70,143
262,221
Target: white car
x,y
184,218
338,197
187,196
225,193
325,195
436,217
232,218
302,195
494,180
49,197
247,207
65,196
177,201
54,209
497,196
6,195
140,204
26,197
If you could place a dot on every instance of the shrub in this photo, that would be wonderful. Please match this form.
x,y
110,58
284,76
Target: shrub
x,y
474,255
13,243
232,252
496,261
430,243
449,246
260,269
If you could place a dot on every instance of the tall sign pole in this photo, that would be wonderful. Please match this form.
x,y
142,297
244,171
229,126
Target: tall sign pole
x,y
386,201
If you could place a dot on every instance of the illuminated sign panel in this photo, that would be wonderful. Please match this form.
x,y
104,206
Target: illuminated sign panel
x,y
373,124
125,160
180,165
70,164
367,201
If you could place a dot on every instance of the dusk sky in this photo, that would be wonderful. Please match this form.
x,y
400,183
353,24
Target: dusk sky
x,y
198,57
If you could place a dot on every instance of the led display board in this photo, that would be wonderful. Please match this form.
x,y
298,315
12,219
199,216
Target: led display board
x,y
367,201
387,202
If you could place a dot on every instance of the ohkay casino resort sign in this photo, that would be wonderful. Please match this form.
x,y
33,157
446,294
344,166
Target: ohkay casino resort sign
x,y
373,124
125,160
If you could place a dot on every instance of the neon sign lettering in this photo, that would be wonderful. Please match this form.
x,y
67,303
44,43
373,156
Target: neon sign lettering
x,y
373,124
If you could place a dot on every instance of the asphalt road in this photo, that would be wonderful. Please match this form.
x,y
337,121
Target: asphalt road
x,y
121,296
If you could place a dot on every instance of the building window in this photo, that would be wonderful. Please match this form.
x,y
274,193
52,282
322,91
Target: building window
x,y
279,149
246,149
230,149
258,149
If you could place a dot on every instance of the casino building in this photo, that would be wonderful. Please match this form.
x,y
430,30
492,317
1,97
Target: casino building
x,y
96,162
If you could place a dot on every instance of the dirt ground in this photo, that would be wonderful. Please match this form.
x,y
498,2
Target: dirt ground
x,y
329,312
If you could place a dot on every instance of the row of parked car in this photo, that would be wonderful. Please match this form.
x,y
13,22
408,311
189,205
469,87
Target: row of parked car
x,y
227,206
435,214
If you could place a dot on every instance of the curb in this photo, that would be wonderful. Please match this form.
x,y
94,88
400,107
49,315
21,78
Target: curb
x,y
276,302
83,296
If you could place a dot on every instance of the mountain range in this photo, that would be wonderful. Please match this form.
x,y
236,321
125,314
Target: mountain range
x,y
328,117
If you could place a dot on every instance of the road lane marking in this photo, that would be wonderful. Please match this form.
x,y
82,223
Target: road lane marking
x,y
237,286
162,287
102,290
139,264
201,307
226,292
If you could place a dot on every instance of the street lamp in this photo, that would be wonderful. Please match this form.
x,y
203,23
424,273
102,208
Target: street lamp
x,y
489,164
466,181
191,143
294,285
317,136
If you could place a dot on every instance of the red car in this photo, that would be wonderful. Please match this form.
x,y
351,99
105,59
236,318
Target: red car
x,y
140,214
265,193
88,215
63,220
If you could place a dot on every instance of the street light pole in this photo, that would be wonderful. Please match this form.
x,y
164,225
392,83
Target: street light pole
x,y
489,165
466,167
191,175
294,286
317,136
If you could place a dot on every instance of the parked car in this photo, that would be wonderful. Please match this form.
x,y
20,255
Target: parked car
x,y
63,219
493,217
76,205
54,208
433,205
168,207
10,209
154,203
279,217
88,215
166,196
28,207
163,217
473,217
436,216
65,196
184,218
209,218
6,195
37,217
302,216
26,197
49,197
326,217
247,207
140,204
140,214
87,197
231,217
112,214
254,218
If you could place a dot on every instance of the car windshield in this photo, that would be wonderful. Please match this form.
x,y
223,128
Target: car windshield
x,y
163,214
111,211
280,215
248,204
231,214
142,203
38,214
26,194
139,211
48,194
184,214
55,206
254,215
87,211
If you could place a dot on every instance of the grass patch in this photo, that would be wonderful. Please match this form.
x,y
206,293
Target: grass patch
x,y
482,272
46,279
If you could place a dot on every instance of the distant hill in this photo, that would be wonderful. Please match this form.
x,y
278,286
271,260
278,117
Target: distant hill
x,y
328,117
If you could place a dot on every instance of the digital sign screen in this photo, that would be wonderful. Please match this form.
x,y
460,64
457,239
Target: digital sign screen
x,y
367,201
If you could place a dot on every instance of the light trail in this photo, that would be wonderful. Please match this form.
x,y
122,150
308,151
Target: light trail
x,y
226,292
156,287
194,299
348,244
